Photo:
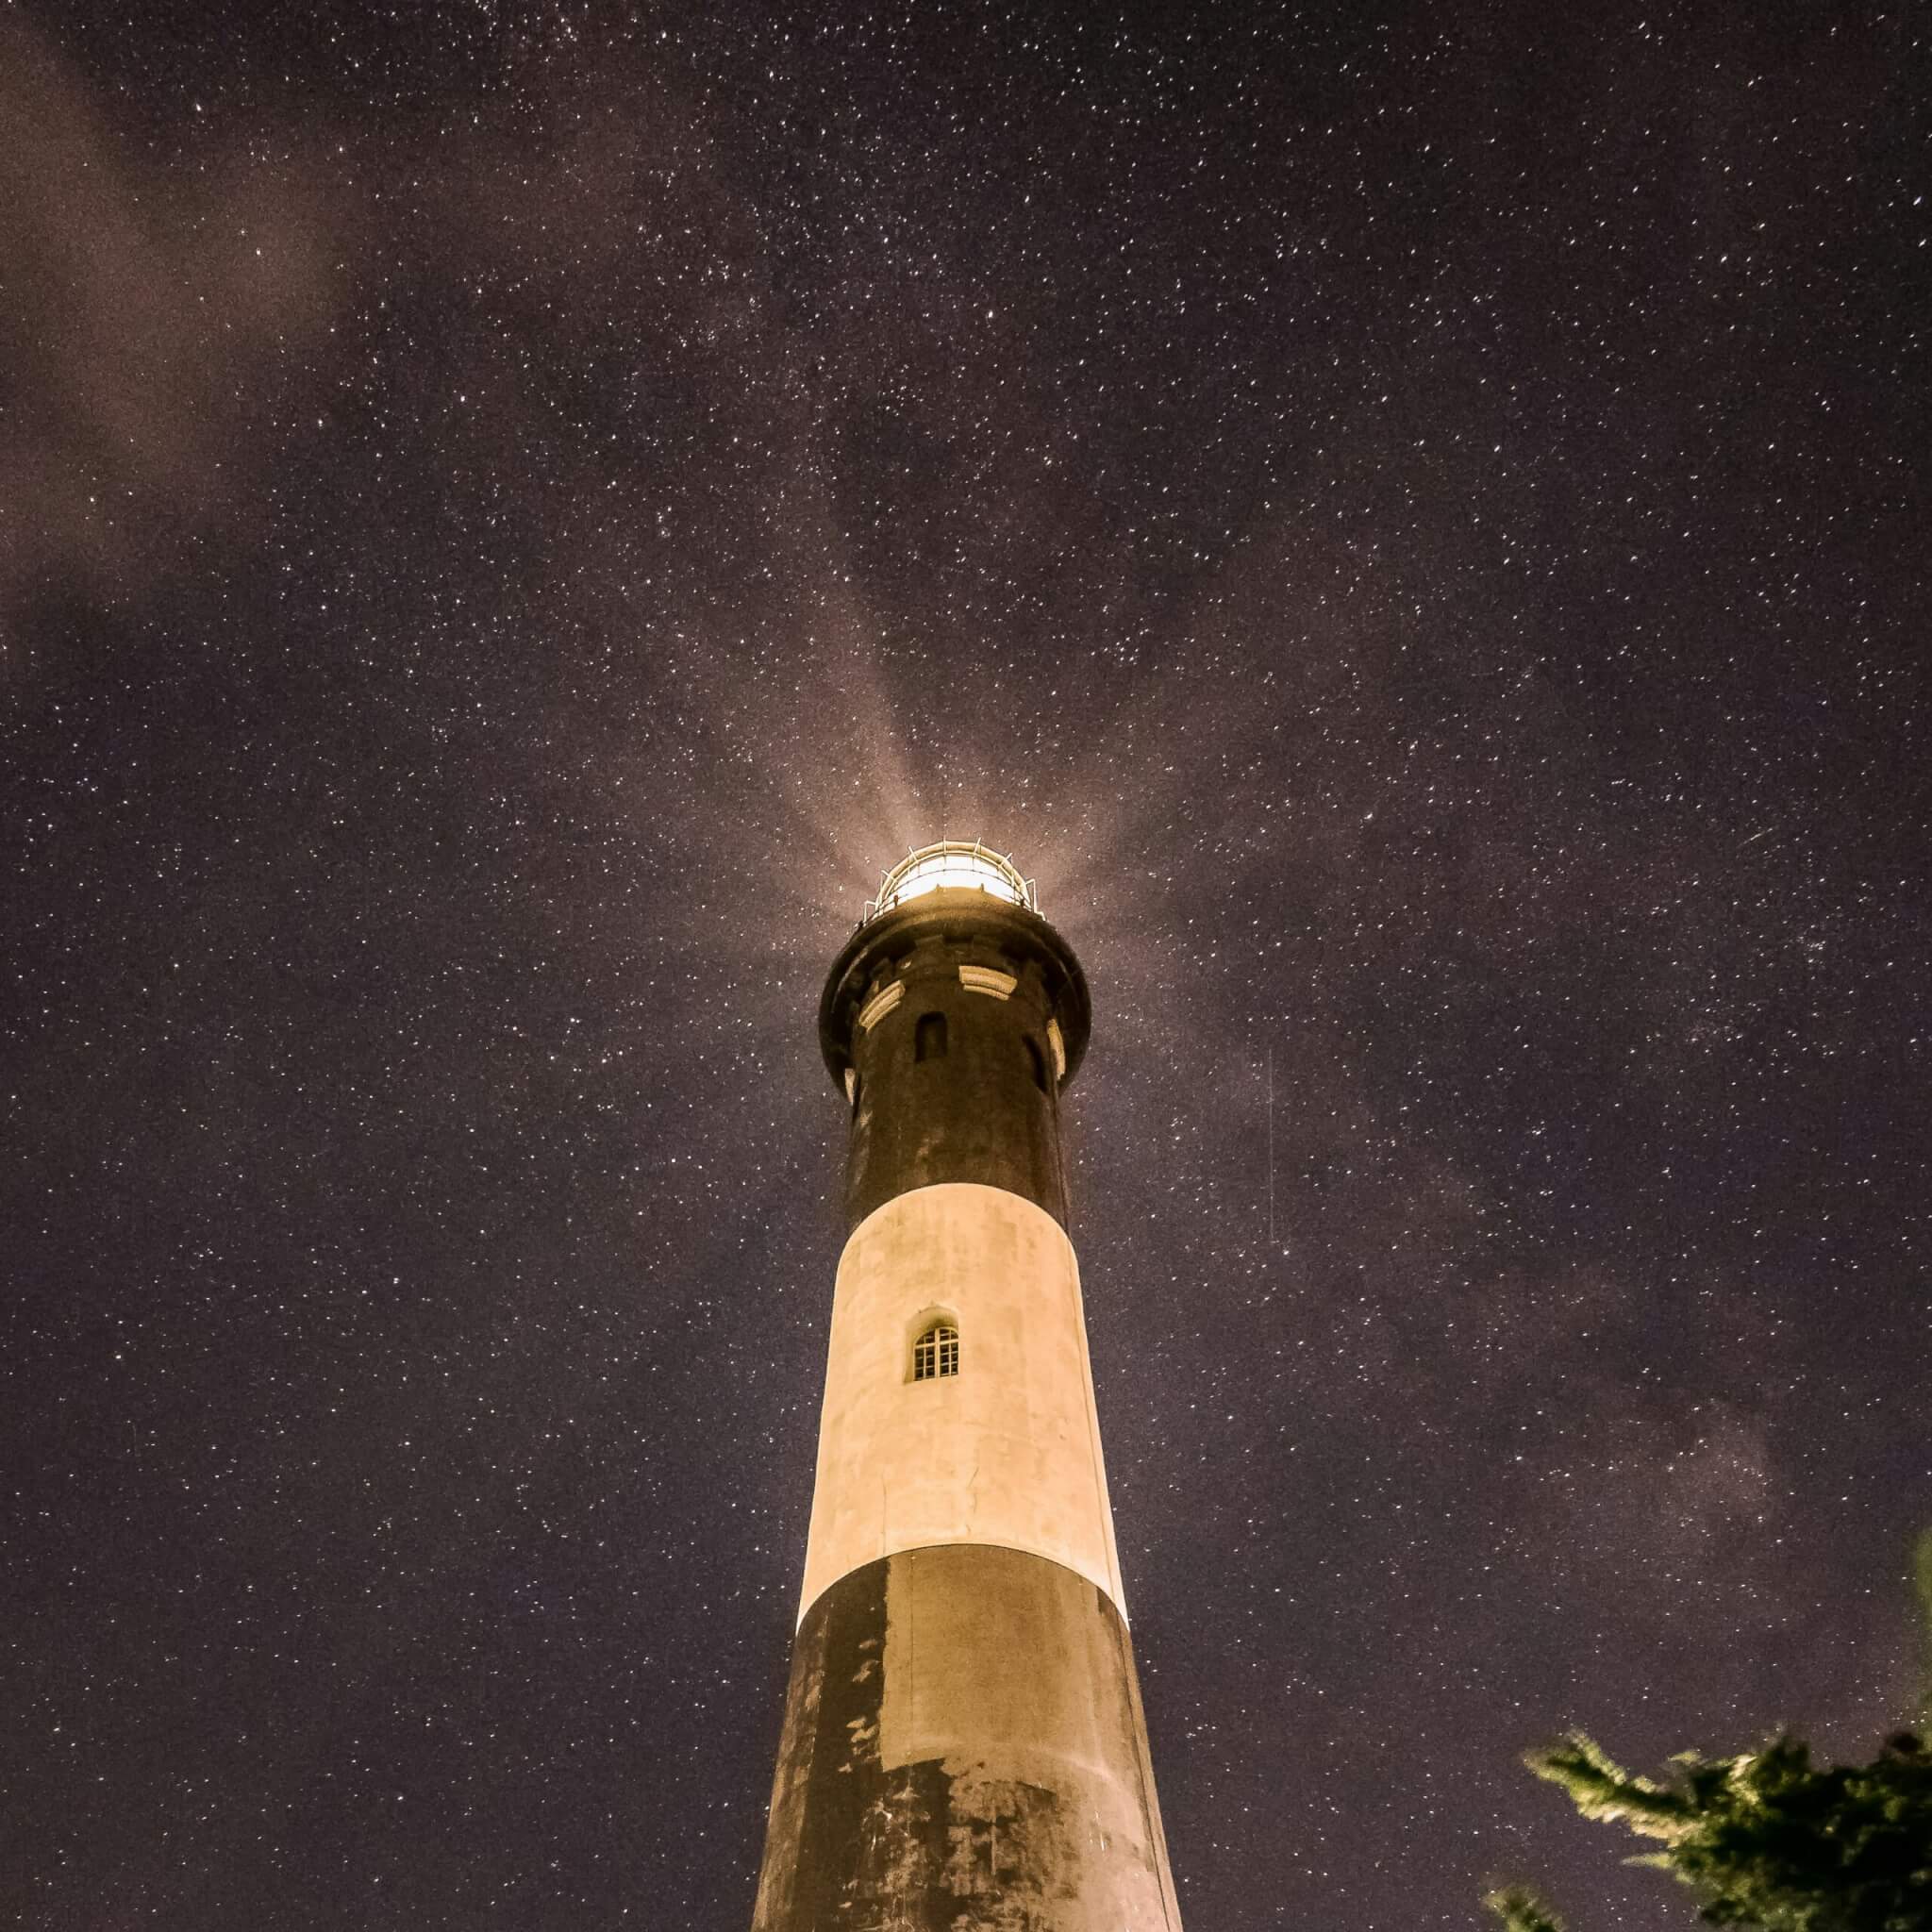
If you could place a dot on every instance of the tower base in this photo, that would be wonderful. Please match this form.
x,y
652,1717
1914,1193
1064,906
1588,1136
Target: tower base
x,y
964,1747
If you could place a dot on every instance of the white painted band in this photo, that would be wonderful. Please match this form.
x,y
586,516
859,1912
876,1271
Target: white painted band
x,y
1005,1451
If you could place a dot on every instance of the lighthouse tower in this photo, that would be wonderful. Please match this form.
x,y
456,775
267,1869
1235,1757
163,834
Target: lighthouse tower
x,y
964,1745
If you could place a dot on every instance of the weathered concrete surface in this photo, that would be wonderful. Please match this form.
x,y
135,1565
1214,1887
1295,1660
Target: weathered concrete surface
x,y
1005,1451
964,1751
964,1747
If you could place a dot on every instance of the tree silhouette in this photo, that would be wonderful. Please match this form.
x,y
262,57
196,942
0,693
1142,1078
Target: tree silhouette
x,y
1768,1839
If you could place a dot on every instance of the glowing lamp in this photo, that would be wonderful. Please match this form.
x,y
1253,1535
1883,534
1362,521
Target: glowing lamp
x,y
953,865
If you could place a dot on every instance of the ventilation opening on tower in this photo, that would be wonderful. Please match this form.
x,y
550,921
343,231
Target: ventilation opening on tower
x,y
936,1353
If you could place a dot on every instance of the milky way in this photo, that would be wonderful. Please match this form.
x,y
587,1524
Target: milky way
x,y
1410,523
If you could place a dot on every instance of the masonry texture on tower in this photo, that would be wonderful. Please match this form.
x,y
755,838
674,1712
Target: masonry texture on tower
x,y
964,1745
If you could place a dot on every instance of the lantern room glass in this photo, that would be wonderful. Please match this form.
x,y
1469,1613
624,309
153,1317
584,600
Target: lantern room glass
x,y
952,865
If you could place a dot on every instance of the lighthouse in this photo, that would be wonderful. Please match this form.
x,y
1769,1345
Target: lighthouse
x,y
964,1745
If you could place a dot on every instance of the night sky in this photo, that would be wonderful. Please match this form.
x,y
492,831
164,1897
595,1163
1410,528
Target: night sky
x,y
1410,522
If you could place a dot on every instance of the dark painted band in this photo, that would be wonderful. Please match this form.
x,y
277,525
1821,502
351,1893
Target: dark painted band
x,y
964,1744
952,1076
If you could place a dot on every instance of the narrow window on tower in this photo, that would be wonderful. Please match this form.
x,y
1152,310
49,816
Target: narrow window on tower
x,y
929,1039
936,1353
1036,1060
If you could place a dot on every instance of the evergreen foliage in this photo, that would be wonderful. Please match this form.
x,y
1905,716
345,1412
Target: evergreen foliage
x,y
1768,1839
1522,1911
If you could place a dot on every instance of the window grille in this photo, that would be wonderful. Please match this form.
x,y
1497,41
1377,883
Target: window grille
x,y
936,1353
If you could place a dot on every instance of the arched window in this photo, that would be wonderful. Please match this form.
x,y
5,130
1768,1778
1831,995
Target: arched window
x,y
936,1353
929,1038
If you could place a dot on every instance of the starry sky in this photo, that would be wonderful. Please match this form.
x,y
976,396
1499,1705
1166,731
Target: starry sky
x,y
1410,522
